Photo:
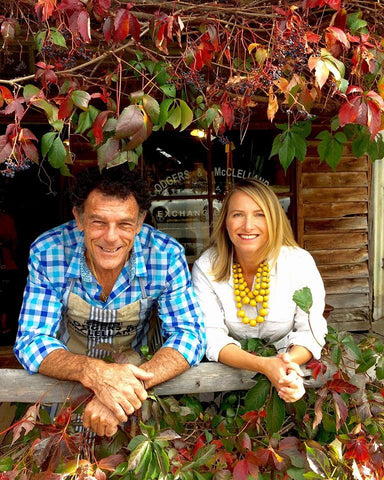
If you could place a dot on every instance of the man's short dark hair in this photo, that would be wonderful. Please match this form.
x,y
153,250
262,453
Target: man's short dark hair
x,y
117,181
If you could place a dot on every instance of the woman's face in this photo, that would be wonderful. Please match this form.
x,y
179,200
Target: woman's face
x,y
246,224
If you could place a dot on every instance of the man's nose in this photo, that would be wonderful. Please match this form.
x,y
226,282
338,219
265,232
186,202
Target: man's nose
x,y
112,233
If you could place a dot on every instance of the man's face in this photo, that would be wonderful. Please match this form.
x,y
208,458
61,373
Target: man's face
x,y
110,225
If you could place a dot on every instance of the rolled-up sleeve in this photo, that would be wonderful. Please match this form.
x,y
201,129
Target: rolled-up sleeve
x,y
213,314
39,318
182,322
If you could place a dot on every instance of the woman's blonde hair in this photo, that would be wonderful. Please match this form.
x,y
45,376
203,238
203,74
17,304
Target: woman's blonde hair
x,y
279,229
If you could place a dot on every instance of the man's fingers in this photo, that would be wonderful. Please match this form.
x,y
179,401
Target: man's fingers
x,y
140,373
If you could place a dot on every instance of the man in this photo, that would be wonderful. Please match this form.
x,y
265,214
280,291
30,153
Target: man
x,y
96,280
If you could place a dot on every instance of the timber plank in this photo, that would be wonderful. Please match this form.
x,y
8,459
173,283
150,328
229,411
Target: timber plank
x,y
346,285
352,320
18,385
346,164
348,300
342,194
323,225
344,271
334,210
335,240
340,256
334,179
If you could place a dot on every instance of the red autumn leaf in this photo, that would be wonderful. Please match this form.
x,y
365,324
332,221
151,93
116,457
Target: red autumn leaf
x,y
45,8
110,463
134,27
84,25
341,386
251,417
335,4
5,95
317,367
245,441
66,108
357,450
98,125
245,469
312,37
341,410
161,38
121,25
26,134
30,151
101,7
108,29
337,41
5,148
228,114
26,423
15,107
199,443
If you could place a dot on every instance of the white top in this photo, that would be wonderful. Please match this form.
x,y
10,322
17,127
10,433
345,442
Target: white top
x,y
285,325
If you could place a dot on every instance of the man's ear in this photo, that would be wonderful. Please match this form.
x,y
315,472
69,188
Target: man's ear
x,y
141,221
78,218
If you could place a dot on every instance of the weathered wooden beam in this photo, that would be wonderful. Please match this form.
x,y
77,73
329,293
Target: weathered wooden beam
x,y
19,386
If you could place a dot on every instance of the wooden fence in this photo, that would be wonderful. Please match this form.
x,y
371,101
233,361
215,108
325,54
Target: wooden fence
x,y
18,385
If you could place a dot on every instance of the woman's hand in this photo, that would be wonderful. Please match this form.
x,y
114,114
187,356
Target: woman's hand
x,y
294,391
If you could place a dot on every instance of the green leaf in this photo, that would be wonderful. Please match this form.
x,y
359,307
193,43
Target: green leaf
x,y
186,115
296,473
40,39
161,74
361,142
380,368
64,170
303,299
47,141
275,146
340,137
287,151
275,413
203,455
349,342
318,461
334,155
57,153
164,111
129,122
152,108
6,464
169,90
300,147
48,108
162,459
175,117
355,23
137,454
256,396
209,116
45,418
336,354
84,122
366,365
121,469
80,98
58,125
57,38
30,91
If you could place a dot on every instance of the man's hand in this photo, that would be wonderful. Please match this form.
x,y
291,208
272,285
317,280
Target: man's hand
x,y
117,386
100,419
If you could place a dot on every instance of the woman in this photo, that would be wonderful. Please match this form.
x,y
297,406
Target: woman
x,y
245,282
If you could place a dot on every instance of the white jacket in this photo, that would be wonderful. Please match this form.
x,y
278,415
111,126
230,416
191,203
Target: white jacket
x,y
285,325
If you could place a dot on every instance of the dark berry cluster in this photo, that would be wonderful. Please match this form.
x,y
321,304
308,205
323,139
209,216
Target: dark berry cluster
x,y
10,167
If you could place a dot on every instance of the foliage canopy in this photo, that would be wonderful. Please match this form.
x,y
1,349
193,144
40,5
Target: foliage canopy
x,y
112,72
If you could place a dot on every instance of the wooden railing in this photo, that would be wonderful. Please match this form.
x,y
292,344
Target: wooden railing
x,y
18,385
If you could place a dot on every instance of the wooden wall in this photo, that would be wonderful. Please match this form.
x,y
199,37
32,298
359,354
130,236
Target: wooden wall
x,y
333,225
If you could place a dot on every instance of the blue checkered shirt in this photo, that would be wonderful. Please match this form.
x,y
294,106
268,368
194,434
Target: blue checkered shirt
x,y
57,259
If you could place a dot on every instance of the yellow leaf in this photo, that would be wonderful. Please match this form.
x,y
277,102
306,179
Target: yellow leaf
x,y
380,87
252,46
273,105
261,55
321,73
282,84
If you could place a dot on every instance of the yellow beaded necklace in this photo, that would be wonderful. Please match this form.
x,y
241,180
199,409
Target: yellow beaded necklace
x,y
244,295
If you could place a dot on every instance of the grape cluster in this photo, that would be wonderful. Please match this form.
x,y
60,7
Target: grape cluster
x,y
194,80
10,167
64,58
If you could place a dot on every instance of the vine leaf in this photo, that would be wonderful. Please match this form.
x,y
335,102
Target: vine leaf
x,y
275,413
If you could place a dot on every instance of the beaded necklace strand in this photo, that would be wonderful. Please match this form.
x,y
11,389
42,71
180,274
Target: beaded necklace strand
x,y
257,298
